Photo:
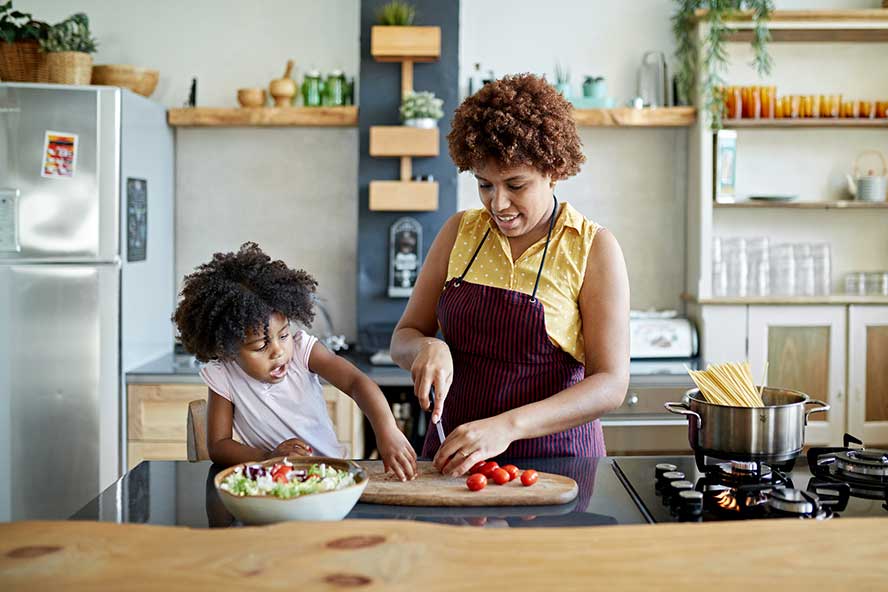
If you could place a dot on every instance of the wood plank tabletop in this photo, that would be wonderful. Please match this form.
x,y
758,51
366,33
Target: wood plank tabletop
x,y
841,554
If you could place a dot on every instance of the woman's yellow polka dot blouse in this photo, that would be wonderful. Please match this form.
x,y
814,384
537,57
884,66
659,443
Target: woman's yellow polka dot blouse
x,y
562,276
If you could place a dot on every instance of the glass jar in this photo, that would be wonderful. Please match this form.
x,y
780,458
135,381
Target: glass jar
x,y
334,89
312,89
877,283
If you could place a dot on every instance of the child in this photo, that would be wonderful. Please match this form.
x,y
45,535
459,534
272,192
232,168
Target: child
x,y
235,314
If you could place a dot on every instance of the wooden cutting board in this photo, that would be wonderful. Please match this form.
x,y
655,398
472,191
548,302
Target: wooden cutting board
x,y
431,488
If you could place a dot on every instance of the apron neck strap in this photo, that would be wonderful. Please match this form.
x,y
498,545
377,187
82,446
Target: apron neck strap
x,y
536,284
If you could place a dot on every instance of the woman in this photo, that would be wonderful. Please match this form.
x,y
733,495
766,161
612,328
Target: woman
x,y
532,299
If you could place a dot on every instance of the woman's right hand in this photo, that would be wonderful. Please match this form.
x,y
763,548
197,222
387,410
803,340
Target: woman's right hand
x,y
433,366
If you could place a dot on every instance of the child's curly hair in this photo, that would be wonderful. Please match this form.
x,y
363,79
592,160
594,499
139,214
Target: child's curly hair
x,y
517,120
235,293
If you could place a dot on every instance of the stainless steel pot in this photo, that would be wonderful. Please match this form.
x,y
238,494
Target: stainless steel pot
x,y
775,432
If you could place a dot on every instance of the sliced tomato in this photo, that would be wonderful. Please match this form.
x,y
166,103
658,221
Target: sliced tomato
x,y
501,476
513,471
476,482
529,477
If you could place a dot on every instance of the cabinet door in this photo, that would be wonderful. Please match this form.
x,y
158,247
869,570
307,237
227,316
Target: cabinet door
x,y
868,373
804,347
157,412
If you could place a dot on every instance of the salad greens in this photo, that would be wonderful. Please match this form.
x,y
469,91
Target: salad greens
x,y
285,481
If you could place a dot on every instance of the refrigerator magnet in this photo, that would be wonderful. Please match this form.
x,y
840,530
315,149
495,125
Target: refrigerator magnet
x,y
59,155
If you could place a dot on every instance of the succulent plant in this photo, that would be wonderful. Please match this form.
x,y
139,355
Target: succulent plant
x,y
421,105
396,13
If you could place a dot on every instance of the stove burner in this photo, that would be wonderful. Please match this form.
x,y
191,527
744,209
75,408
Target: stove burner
x,y
865,462
794,501
743,472
865,470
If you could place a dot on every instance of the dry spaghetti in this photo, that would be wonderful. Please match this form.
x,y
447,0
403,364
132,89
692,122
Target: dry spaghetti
x,y
728,384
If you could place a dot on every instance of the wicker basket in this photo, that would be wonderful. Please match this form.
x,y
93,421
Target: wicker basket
x,y
69,67
23,61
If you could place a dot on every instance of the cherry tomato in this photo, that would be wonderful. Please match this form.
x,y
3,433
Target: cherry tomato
x,y
512,470
501,476
477,467
529,477
489,468
476,482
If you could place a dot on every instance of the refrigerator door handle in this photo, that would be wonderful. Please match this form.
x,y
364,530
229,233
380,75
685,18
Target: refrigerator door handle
x,y
9,200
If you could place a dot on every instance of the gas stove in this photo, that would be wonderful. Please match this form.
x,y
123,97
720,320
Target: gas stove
x,y
848,481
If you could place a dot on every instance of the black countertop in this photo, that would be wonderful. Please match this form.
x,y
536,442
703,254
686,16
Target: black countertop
x,y
182,494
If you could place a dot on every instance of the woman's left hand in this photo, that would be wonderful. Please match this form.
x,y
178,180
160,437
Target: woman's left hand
x,y
470,443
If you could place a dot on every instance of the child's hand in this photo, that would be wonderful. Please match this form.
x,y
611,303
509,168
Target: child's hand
x,y
397,454
293,446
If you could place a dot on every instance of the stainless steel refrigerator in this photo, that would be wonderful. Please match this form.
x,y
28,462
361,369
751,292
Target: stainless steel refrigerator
x,y
86,284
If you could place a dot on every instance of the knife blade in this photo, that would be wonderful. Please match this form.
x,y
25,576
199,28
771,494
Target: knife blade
x,y
438,425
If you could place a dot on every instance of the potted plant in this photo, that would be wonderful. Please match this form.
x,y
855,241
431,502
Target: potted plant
x,y
421,109
68,46
20,56
713,55
396,14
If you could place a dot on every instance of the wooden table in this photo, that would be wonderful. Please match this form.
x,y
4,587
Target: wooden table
x,y
841,554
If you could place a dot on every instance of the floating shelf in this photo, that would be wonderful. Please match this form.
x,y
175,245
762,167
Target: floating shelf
x,y
404,196
791,300
629,117
264,116
805,205
401,140
809,16
812,122
396,44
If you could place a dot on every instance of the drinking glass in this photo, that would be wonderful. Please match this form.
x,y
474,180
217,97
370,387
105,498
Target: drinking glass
x,y
752,104
736,266
821,252
855,283
783,273
759,262
768,95
804,267
830,105
877,283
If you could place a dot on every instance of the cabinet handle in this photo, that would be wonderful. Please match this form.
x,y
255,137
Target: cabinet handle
x,y
632,399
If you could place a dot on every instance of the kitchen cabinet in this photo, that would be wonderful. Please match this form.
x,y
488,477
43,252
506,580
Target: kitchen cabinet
x,y
157,412
803,347
868,373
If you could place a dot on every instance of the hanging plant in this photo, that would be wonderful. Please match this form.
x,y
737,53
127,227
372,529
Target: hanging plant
x,y
713,54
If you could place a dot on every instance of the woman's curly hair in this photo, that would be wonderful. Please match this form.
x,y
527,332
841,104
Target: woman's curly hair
x,y
517,120
236,293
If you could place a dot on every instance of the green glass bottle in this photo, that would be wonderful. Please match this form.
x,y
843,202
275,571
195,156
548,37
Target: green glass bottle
x,y
312,89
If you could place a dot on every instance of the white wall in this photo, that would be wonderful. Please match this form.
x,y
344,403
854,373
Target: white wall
x,y
293,190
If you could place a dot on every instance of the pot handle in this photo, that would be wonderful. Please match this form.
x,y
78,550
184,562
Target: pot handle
x,y
682,409
823,407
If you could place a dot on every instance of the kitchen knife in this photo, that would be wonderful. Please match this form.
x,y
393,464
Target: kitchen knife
x,y
438,425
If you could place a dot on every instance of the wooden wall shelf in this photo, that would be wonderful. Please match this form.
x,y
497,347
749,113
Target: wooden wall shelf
x,y
805,205
811,16
401,140
629,117
812,122
396,44
264,117
403,196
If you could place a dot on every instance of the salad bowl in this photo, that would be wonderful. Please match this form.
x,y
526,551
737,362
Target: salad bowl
x,y
291,488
